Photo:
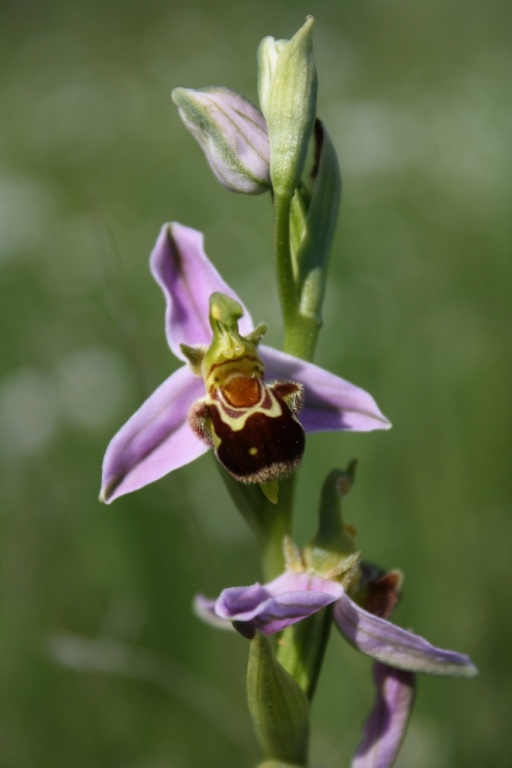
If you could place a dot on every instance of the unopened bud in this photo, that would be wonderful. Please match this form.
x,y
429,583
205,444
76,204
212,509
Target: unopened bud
x,y
232,133
287,90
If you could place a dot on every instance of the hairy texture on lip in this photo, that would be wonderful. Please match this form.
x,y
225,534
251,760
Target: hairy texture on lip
x,y
267,446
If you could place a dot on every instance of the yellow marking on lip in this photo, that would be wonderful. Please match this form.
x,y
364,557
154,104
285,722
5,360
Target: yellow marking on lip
x,y
235,423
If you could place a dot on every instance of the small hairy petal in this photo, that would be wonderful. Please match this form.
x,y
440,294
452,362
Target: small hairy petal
x,y
385,728
395,646
292,393
188,278
156,440
383,593
330,403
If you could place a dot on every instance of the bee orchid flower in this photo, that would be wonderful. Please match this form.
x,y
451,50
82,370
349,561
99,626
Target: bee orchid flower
x,y
207,325
292,597
398,653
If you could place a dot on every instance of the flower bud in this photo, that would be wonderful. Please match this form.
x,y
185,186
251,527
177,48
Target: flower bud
x,y
278,706
268,53
231,132
287,89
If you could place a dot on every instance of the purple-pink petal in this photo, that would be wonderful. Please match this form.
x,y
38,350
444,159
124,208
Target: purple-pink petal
x,y
188,278
274,606
156,440
385,728
231,132
392,645
331,403
204,609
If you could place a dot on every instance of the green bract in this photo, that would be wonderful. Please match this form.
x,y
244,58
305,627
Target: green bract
x,y
313,224
278,706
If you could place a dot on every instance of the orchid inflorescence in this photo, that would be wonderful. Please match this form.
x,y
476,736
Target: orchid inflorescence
x,y
253,406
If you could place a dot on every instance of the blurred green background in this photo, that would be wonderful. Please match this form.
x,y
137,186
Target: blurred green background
x,y
101,660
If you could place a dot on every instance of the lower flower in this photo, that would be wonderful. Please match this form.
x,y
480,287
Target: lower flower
x,y
398,653
272,607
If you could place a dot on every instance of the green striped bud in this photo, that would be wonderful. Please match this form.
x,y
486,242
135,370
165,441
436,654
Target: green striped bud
x,y
287,90
232,134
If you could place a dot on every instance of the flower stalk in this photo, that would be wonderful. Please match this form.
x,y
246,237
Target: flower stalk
x,y
271,523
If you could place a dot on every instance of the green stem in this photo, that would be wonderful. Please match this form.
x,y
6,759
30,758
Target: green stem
x,y
300,330
285,278
302,646
269,522
276,523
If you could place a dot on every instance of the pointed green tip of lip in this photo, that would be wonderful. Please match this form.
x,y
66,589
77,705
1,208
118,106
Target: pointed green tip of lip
x,y
271,490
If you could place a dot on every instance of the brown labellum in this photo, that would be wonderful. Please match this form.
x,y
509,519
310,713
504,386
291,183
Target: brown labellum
x,y
252,427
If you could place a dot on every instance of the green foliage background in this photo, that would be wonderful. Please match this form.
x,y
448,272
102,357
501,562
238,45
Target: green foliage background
x,y
101,659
